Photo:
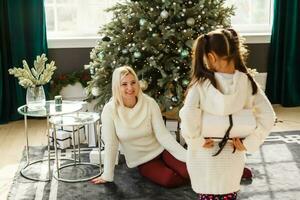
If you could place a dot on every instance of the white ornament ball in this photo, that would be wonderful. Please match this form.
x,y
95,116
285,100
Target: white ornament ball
x,y
190,21
124,51
164,14
95,91
137,54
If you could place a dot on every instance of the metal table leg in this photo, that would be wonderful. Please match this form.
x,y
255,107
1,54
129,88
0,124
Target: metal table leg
x,y
28,163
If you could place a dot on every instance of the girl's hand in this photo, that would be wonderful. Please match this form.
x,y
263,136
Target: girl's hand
x,y
209,143
237,143
98,180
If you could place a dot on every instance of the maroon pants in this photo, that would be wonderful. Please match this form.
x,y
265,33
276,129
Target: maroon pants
x,y
165,170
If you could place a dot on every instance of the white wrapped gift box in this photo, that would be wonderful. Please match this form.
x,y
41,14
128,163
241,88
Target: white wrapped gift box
x,y
173,126
94,156
244,124
62,138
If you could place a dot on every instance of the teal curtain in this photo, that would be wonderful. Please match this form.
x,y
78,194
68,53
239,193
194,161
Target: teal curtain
x,y
283,82
22,36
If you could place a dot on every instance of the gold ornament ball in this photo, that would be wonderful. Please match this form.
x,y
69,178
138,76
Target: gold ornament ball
x,y
143,84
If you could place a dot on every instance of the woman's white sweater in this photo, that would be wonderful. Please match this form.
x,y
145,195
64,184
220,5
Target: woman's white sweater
x,y
221,174
139,130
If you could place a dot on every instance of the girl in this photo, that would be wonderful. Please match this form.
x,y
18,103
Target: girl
x,y
224,115
133,120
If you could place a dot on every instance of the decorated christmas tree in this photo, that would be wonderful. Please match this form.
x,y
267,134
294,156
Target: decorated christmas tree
x,y
155,38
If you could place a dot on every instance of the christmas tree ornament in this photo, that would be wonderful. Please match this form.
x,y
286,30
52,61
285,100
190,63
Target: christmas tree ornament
x,y
100,55
185,82
189,43
124,51
142,21
92,70
190,21
95,91
143,84
174,99
184,53
164,14
106,39
137,54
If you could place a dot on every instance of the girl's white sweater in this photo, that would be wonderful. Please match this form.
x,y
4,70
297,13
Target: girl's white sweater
x,y
140,131
222,174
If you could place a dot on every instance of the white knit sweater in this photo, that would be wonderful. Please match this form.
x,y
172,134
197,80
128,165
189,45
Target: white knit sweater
x,y
221,174
139,130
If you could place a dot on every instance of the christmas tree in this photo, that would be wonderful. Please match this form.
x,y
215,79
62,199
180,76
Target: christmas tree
x,y
155,38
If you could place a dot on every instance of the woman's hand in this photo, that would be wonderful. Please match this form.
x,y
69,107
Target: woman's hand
x,y
209,143
98,180
237,143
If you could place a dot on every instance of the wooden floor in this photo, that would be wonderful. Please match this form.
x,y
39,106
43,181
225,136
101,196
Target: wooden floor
x,y
12,141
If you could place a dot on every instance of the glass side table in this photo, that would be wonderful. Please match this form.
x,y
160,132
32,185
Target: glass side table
x,y
76,120
50,109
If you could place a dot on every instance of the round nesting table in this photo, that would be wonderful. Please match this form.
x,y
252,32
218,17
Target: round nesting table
x,y
76,120
49,109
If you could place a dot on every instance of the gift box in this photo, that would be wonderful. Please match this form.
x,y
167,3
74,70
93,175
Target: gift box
x,y
94,156
62,139
174,127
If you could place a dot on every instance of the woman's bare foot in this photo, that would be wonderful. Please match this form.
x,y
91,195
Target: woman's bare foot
x,y
98,180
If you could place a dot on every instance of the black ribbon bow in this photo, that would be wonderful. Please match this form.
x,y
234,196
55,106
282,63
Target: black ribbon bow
x,y
225,139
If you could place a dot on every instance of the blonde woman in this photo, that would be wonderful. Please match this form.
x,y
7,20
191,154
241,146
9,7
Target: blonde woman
x,y
133,120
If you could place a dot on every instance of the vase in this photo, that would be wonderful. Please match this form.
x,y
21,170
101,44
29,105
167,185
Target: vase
x,y
35,98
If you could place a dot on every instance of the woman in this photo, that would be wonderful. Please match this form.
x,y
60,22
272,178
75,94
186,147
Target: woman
x,y
225,114
133,120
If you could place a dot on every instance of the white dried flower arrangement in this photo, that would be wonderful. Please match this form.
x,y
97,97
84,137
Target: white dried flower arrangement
x,y
37,76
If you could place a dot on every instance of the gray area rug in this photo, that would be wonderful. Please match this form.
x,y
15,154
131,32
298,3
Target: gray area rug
x,y
276,169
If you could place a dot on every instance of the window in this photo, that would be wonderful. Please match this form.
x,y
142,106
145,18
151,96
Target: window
x,y
79,20
252,16
76,18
